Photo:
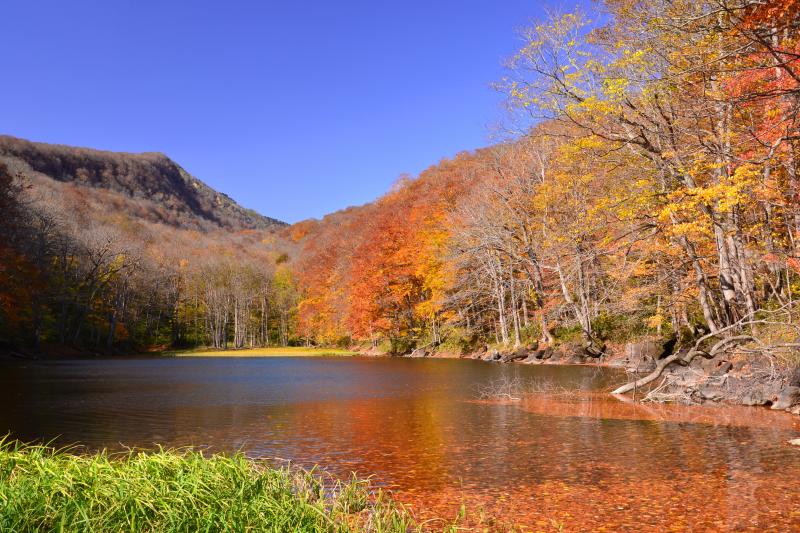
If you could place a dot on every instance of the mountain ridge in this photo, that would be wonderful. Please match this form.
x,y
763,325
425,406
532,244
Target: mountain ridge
x,y
185,200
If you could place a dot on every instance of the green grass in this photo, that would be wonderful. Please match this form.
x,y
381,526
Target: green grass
x,y
42,489
292,351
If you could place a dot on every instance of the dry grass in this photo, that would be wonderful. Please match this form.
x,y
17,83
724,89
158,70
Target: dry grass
x,y
291,351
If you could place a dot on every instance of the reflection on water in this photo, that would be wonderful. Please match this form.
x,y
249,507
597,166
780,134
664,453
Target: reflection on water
x,y
585,460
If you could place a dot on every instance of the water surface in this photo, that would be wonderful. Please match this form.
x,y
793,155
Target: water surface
x,y
582,460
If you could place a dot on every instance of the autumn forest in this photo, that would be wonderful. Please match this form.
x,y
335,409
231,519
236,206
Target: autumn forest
x,y
651,188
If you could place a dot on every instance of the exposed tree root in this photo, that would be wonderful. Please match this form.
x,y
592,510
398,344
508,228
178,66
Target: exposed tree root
x,y
725,342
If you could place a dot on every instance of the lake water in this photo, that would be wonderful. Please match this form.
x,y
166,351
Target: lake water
x,y
566,456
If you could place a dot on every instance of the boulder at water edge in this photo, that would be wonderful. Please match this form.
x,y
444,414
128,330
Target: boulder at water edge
x,y
786,398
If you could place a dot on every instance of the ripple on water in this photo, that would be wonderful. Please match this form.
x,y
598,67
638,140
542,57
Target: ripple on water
x,y
584,460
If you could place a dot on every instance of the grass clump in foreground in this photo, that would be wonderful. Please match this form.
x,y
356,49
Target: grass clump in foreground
x,y
42,489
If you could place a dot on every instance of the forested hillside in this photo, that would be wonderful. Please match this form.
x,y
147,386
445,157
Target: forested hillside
x,y
149,185
124,252
653,192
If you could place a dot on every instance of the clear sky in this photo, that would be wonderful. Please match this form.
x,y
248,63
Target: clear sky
x,y
293,108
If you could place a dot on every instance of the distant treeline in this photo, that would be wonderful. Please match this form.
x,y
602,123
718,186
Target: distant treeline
x,y
78,277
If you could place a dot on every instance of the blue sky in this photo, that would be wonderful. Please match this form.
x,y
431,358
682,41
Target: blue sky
x,y
295,109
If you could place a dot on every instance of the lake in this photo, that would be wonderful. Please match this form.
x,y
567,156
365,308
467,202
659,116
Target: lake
x,y
567,455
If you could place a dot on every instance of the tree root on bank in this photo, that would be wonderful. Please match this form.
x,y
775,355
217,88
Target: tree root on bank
x,y
684,358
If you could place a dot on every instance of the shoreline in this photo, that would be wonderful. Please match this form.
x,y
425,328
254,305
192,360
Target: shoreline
x,y
291,351
722,380
271,351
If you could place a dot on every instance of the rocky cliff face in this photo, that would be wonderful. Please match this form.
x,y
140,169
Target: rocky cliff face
x,y
182,200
